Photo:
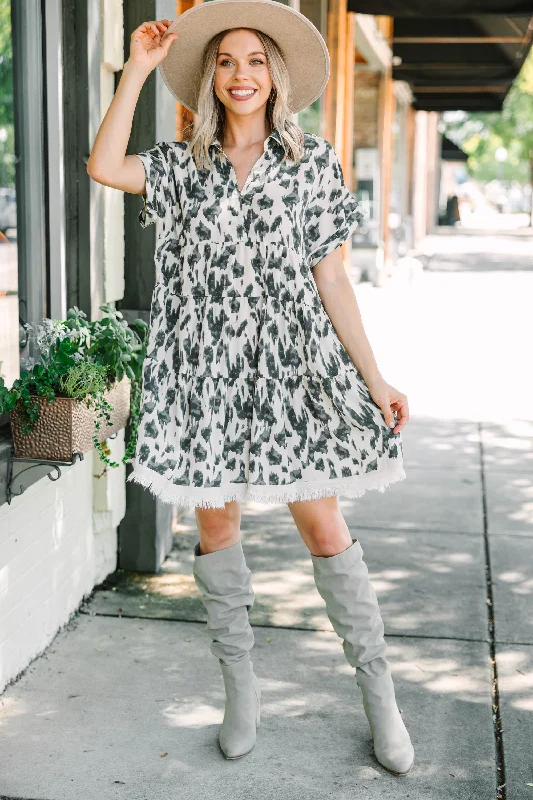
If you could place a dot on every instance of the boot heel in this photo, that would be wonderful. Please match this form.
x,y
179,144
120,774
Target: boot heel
x,y
257,688
392,744
237,736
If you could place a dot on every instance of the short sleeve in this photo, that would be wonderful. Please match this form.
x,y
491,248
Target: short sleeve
x,y
159,194
332,212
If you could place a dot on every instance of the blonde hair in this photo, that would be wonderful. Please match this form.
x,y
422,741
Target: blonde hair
x,y
211,111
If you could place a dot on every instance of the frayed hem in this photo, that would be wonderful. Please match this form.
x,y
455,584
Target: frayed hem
x,y
217,496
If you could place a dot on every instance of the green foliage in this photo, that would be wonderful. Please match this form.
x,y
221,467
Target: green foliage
x,y
480,134
309,118
6,64
84,380
82,360
7,150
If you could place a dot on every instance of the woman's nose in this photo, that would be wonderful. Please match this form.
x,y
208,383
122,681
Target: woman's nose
x,y
241,72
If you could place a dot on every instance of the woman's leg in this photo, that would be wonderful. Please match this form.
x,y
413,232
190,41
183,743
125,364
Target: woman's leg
x,y
221,574
342,579
321,525
325,532
218,527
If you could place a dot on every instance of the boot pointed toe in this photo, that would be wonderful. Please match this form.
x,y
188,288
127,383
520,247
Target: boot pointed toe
x,y
397,759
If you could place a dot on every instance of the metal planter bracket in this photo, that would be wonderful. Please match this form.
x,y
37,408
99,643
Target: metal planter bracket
x,y
54,475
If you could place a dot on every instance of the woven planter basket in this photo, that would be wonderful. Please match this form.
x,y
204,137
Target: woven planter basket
x,y
66,426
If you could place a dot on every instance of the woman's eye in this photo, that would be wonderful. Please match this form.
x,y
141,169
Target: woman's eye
x,y
227,61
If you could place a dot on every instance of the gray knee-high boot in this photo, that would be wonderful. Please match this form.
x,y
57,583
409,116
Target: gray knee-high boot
x,y
352,606
224,580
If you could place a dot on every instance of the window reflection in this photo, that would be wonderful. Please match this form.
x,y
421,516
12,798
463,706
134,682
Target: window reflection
x,y
9,314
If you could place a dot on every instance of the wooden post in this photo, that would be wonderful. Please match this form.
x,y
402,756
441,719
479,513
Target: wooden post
x,y
386,119
331,86
339,95
184,117
337,41
347,132
349,69
410,158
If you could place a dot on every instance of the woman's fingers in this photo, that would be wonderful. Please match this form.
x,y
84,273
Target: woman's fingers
x,y
153,27
402,411
148,48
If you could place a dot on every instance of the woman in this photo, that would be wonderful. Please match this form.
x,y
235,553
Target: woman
x,y
249,393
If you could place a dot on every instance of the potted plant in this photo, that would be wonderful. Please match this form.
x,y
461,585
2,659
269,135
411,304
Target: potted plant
x,y
81,386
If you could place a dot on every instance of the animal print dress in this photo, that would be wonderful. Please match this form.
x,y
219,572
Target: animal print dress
x,y
248,393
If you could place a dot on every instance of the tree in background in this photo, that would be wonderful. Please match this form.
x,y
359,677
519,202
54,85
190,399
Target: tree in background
x,y
7,142
480,134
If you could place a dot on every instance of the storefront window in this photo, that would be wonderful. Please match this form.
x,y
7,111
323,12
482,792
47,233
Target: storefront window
x,y
9,301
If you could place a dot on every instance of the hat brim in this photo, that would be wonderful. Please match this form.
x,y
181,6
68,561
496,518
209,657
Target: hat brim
x,y
304,50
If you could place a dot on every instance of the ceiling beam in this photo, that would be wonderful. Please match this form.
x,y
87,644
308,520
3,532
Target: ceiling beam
x,y
436,9
512,24
458,89
458,39
441,65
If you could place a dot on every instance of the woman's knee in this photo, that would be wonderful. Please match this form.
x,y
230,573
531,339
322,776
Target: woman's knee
x,y
321,526
218,527
327,540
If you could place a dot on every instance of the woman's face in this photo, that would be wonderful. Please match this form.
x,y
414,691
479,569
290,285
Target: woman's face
x,y
242,67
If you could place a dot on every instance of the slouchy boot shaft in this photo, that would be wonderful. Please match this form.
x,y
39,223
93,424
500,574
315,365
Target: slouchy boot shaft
x,y
224,580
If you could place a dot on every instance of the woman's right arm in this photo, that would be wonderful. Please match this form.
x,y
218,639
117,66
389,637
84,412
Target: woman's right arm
x,y
108,163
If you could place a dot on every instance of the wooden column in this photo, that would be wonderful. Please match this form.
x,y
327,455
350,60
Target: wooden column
x,y
386,119
410,158
348,132
184,117
340,92
336,41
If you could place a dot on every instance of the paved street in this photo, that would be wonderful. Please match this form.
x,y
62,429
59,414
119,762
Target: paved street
x,y
127,700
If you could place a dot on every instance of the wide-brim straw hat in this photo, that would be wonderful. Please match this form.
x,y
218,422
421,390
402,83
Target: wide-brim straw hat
x,y
303,48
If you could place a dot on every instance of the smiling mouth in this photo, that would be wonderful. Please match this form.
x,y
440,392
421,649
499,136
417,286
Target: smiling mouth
x,y
242,94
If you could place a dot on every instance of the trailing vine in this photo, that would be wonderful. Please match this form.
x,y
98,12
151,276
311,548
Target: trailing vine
x,y
81,360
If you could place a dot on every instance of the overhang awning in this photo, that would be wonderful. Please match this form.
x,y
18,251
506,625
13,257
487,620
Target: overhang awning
x,y
468,61
437,8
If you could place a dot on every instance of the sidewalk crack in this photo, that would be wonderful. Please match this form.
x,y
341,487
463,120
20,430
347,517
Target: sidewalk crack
x,y
501,790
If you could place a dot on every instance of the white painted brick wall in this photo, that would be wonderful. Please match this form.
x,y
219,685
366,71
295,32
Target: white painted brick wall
x,y
58,540
56,544
109,507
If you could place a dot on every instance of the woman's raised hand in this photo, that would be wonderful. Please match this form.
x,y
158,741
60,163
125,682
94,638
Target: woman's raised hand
x,y
146,48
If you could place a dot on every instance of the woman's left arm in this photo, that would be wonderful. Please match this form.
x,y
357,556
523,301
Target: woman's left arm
x,y
340,303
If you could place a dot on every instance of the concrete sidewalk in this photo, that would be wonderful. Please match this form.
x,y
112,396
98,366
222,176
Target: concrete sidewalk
x,y
127,700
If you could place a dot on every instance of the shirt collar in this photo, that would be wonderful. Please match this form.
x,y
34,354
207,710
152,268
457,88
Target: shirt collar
x,y
275,135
